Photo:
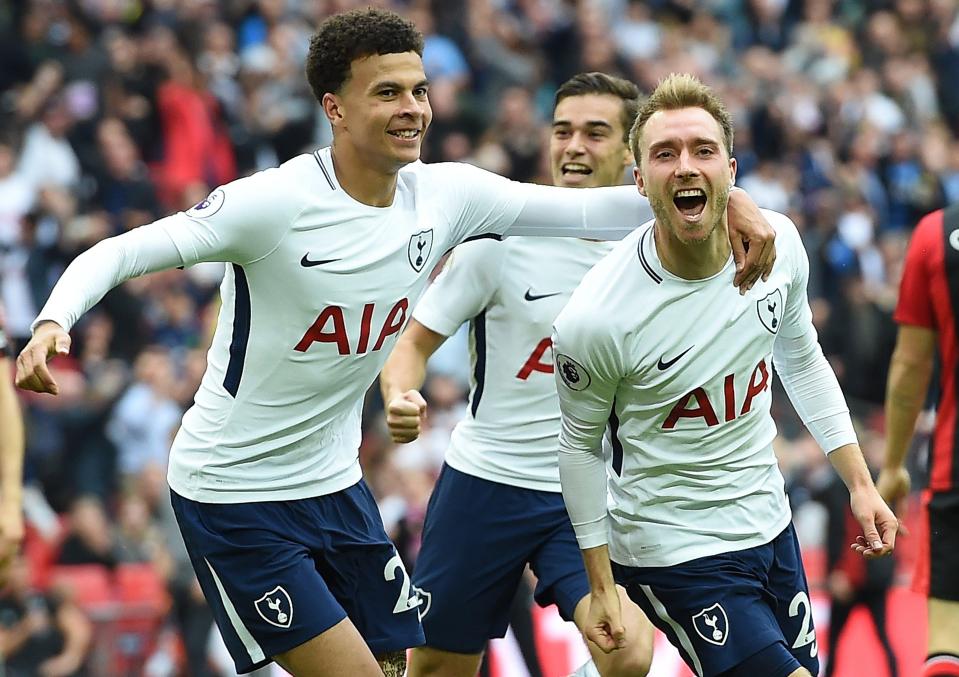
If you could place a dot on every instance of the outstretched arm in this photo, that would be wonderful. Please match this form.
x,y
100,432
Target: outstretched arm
x,y
84,282
486,203
240,222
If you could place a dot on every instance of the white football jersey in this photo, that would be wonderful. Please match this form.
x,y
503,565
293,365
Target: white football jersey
x,y
318,290
681,371
510,292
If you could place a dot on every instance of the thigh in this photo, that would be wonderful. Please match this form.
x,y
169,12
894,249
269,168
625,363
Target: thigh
x,y
338,651
364,571
714,610
557,562
477,538
262,586
426,661
787,583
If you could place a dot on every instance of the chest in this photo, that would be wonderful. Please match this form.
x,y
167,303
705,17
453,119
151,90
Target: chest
x,y
709,338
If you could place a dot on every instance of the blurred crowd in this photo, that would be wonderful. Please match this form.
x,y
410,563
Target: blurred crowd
x,y
116,112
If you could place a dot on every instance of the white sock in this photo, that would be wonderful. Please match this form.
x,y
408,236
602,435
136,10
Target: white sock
x,y
587,669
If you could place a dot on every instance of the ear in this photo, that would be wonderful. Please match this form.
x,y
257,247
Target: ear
x,y
332,108
640,183
732,171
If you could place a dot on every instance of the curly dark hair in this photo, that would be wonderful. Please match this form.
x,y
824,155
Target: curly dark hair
x,y
343,38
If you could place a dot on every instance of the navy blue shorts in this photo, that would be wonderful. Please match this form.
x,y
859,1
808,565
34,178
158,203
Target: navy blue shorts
x,y
719,611
279,573
477,539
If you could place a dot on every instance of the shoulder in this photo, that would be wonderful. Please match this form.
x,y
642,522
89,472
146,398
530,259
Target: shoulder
x,y
929,231
447,175
278,192
790,249
784,226
931,223
481,250
588,317
475,262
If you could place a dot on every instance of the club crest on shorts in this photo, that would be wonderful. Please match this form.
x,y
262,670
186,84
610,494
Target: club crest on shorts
x,y
209,205
574,374
424,601
712,624
770,310
419,248
276,607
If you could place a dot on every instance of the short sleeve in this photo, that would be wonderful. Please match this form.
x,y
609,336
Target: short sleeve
x,y
915,298
464,288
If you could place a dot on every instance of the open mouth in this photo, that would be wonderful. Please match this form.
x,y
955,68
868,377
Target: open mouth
x,y
405,134
575,168
690,202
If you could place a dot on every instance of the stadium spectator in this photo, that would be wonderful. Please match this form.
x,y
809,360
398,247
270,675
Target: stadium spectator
x,y
41,633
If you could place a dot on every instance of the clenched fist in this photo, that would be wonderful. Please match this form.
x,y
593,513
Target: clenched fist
x,y
405,415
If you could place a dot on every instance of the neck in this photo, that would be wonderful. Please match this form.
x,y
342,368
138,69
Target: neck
x,y
692,260
361,180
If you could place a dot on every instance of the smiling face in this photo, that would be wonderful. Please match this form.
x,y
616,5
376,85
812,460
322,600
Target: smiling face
x,y
587,146
382,111
685,171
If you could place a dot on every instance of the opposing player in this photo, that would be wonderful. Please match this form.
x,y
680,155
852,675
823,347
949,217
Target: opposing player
x,y
927,314
654,345
11,462
497,505
325,254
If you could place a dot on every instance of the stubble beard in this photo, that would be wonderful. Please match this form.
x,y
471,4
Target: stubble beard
x,y
665,214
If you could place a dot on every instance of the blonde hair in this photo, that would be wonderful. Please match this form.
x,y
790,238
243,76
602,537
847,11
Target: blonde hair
x,y
681,90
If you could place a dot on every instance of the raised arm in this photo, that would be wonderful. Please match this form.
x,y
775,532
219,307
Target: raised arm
x,y
486,203
612,213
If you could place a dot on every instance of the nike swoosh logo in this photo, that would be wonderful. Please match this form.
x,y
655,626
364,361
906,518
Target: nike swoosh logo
x,y
530,296
307,262
663,366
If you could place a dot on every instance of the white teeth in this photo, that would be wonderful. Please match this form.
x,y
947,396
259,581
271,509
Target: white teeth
x,y
693,192
575,167
406,133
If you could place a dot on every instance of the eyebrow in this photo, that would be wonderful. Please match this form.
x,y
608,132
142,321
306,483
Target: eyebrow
x,y
391,84
701,141
589,123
